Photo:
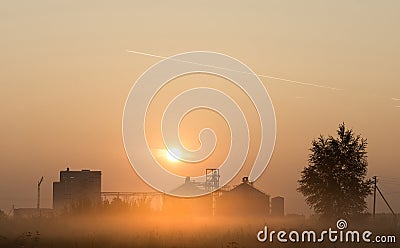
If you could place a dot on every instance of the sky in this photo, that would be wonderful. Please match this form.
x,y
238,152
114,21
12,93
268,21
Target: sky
x,y
65,76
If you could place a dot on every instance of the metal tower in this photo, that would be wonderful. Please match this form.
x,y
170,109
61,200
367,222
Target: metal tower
x,y
211,185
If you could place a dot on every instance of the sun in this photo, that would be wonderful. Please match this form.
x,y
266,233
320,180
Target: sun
x,y
171,157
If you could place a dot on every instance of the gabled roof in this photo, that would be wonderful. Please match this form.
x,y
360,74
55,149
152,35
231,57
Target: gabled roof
x,y
247,189
188,188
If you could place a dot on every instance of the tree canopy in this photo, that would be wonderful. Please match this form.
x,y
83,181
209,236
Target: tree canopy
x,y
334,183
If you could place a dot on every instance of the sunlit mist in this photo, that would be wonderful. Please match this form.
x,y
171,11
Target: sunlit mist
x,y
170,156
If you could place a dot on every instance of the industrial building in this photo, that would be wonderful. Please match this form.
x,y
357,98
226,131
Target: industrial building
x,y
32,212
243,200
278,206
77,188
199,206
83,188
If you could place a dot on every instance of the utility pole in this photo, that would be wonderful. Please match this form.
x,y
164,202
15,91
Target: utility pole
x,y
373,212
384,199
38,192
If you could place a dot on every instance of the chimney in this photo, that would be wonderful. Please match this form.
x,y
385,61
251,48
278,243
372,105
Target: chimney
x,y
187,180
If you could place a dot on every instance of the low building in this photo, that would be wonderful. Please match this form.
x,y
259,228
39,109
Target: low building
x,y
77,188
186,206
278,206
32,212
243,201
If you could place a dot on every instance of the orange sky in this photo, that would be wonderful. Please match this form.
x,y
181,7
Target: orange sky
x,y
65,75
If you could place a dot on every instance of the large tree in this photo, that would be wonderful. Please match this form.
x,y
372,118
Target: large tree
x,y
334,182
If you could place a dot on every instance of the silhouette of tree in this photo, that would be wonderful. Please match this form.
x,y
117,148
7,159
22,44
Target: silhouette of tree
x,y
334,182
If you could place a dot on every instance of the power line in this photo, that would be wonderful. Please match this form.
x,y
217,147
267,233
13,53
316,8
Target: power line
x,y
394,178
393,193
391,183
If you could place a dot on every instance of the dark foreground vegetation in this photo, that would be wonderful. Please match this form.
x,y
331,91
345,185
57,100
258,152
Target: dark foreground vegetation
x,y
128,230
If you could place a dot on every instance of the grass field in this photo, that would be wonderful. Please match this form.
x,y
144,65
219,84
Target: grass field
x,y
161,231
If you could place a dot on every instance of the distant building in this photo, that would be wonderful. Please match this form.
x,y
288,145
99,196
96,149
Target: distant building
x,y
243,201
278,206
77,188
189,188
32,212
181,206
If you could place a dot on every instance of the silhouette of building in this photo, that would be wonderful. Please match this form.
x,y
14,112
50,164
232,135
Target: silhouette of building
x,y
243,201
77,188
181,206
189,188
32,212
278,206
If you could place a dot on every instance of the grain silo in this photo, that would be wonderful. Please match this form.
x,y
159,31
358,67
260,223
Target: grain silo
x,y
243,200
278,206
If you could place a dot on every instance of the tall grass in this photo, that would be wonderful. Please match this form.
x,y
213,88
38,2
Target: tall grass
x,y
156,230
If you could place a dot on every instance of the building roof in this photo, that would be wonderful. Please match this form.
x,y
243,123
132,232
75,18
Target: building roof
x,y
247,188
188,188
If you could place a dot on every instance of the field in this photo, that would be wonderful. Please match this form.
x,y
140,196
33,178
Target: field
x,y
161,231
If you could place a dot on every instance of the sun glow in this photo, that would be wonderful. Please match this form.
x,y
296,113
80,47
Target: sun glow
x,y
171,157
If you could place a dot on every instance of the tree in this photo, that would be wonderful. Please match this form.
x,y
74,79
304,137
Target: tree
x,y
334,182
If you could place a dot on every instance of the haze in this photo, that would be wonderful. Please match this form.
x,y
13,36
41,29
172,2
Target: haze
x,y
65,76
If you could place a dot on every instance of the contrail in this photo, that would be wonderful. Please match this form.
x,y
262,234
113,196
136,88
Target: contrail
x,y
260,75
